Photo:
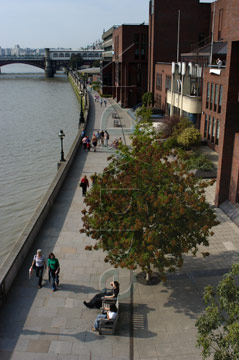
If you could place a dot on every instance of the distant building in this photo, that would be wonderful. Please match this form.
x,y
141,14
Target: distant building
x,y
185,20
130,61
106,63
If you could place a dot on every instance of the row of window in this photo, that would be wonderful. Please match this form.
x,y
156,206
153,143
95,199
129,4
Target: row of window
x,y
159,82
68,55
214,97
212,129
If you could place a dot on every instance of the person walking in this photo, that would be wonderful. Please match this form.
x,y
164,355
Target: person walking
x,y
106,138
38,263
53,270
84,142
84,184
102,135
97,135
94,141
105,102
101,101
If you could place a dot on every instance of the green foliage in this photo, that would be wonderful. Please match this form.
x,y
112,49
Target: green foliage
x,y
189,137
218,327
76,61
170,143
143,114
180,126
145,209
198,161
96,86
147,99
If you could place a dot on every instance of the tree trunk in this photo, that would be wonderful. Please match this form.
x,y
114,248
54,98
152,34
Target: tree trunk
x,y
148,274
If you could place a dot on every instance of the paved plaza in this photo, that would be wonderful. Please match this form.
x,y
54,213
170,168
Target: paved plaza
x,y
156,322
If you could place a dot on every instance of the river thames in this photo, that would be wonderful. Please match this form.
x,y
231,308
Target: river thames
x,y
32,111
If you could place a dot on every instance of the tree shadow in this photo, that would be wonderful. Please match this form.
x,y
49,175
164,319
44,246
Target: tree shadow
x,y
184,290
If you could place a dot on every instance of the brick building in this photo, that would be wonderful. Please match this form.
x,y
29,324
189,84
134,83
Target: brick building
x,y
163,30
129,66
220,103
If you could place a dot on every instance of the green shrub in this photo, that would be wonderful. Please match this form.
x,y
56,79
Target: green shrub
x,y
199,161
170,143
189,137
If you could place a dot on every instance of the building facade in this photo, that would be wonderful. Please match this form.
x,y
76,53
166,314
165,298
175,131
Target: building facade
x,y
106,63
220,103
130,61
173,30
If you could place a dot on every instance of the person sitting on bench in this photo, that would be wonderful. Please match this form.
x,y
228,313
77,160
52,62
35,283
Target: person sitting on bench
x,y
96,301
110,314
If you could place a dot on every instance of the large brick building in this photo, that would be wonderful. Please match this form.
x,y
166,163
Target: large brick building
x,y
220,102
130,61
164,20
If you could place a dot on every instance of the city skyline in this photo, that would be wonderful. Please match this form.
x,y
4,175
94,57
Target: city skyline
x,y
63,23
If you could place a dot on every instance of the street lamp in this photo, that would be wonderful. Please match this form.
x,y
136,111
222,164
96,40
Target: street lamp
x,y
81,119
61,136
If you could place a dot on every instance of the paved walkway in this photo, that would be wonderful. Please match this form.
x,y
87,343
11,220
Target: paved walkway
x,y
42,325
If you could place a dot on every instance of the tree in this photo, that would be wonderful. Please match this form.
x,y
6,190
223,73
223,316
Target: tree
x,y
147,99
145,210
76,61
143,114
218,327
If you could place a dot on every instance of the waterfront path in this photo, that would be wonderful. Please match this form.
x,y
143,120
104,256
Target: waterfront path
x,y
42,325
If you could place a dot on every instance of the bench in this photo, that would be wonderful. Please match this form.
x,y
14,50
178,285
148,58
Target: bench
x,y
116,123
108,326
115,115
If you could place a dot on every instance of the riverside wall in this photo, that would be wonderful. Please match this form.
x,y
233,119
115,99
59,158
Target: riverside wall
x,y
17,255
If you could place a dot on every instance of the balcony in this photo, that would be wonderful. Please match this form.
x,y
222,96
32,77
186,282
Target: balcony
x,y
191,104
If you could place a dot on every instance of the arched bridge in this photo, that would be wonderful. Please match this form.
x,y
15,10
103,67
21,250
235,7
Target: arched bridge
x,y
53,59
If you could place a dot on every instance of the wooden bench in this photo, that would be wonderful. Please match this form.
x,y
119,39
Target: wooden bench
x,y
108,326
116,123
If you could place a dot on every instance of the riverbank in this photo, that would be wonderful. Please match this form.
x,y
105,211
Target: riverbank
x,y
14,261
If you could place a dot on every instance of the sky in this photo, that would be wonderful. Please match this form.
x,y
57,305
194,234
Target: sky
x,y
64,23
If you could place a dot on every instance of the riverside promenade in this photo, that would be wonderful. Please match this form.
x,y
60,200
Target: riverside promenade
x,y
38,324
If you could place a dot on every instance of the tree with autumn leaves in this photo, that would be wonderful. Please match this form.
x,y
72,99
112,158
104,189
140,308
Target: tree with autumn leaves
x,y
145,210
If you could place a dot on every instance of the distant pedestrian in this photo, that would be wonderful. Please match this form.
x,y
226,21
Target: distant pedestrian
x,y
88,145
95,98
94,141
84,142
82,134
94,178
38,263
106,138
102,135
105,102
97,135
219,62
101,102
53,269
84,184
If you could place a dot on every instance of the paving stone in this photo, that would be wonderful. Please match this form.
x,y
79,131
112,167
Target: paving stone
x,y
38,346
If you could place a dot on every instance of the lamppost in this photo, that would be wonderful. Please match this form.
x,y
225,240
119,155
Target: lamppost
x,y
81,119
61,136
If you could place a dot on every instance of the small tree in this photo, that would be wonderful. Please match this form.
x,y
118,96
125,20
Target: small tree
x,y
189,137
147,99
145,209
218,328
143,114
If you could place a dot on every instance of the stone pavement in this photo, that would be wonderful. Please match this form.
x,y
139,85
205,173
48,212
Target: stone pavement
x,y
42,325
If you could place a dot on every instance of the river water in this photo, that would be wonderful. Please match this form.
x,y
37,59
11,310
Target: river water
x,y
32,111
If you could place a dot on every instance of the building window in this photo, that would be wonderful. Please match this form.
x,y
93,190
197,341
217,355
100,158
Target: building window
x,y
217,132
168,83
205,126
209,128
211,96
213,129
216,98
220,24
159,81
220,99
208,94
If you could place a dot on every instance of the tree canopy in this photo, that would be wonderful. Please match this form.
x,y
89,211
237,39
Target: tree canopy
x,y
218,327
145,210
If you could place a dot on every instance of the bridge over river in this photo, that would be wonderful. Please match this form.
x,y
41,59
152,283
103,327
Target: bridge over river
x,y
52,60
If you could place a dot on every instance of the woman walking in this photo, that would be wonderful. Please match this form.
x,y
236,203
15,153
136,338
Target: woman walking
x,y
84,184
39,264
53,269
